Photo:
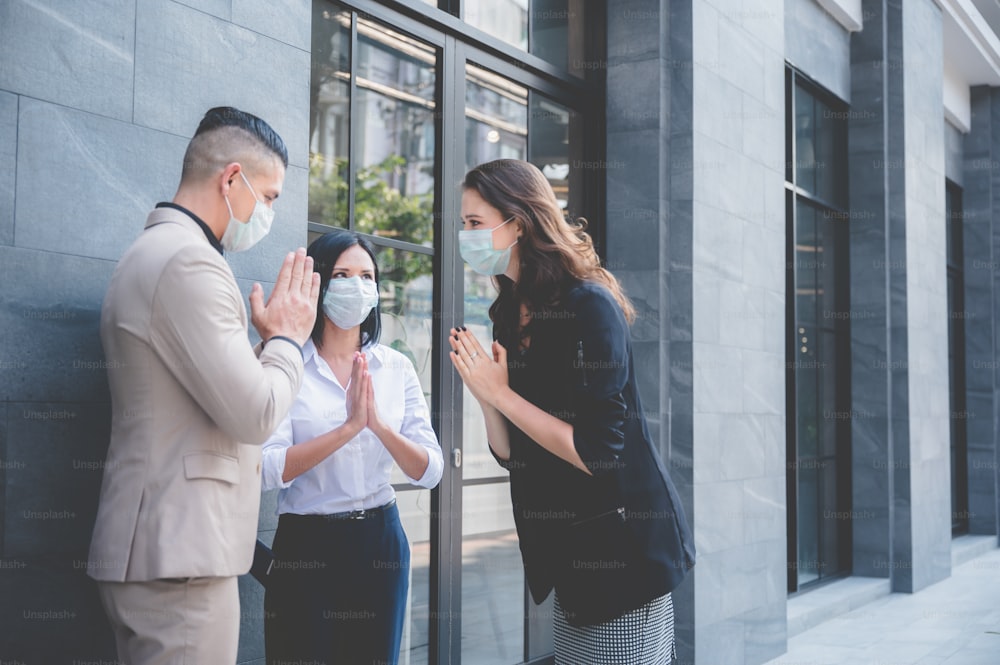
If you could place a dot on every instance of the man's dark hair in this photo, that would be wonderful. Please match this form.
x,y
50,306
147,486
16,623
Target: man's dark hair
x,y
227,135
227,116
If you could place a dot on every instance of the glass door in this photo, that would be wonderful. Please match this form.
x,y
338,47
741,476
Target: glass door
x,y
503,119
374,155
818,336
402,104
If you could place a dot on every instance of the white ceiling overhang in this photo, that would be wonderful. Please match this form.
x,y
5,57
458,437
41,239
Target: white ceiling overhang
x,y
971,53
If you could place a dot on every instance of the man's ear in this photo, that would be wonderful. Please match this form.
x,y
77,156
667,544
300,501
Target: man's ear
x,y
228,174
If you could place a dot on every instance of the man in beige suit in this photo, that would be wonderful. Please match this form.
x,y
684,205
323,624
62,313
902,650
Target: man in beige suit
x,y
192,401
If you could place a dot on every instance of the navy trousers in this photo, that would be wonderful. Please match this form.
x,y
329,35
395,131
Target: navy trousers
x,y
337,593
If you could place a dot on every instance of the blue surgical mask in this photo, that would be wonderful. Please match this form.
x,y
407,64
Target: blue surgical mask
x,y
241,236
349,301
476,248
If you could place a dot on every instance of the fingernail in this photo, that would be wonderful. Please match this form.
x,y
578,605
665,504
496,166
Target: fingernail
x,y
456,338
463,328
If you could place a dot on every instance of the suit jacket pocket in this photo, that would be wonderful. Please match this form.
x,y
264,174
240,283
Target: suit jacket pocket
x,y
600,558
212,465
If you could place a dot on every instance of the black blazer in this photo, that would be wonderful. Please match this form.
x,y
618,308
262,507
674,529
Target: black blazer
x,y
610,542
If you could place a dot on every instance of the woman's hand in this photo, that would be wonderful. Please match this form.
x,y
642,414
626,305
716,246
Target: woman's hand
x,y
484,374
357,394
374,423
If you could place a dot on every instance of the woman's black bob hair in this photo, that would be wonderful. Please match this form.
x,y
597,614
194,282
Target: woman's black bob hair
x,y
325,250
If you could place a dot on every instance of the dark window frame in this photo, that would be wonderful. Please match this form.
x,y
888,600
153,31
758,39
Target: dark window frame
x,y
794,194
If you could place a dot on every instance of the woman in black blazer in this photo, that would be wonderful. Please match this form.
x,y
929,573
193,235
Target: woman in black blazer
x,y
598,518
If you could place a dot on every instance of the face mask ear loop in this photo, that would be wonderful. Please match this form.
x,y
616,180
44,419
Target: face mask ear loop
x,y
506,221
250,187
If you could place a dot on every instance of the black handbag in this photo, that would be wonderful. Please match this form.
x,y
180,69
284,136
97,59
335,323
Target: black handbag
x,y
263,563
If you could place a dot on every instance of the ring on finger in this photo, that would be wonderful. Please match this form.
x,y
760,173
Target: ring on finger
x,y
473,355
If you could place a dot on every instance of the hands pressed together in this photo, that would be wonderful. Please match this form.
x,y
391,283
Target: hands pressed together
x,y
485,374
361,409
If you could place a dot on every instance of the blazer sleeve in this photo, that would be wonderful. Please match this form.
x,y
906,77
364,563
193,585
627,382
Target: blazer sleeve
x,y
198,331
600,374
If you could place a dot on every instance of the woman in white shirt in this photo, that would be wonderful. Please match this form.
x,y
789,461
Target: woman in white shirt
x,y
337,593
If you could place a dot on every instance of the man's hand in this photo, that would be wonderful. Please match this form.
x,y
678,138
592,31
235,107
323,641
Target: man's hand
x,y
291,309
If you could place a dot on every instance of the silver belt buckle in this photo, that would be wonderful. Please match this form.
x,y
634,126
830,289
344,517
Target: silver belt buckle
x,y
357,514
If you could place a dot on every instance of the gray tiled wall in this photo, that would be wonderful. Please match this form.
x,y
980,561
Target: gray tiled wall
x,y
80,55
900,443
115,173
870,283
649,228
738,258
707,170
97,102
929,500
247,69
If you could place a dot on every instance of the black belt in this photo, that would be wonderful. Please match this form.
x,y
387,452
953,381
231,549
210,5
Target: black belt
x,y
364,513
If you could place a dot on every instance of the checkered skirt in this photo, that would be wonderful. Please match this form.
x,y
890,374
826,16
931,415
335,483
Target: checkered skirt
x,y
644,636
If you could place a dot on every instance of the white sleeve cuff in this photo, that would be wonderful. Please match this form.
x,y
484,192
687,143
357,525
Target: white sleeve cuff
x,y
273,468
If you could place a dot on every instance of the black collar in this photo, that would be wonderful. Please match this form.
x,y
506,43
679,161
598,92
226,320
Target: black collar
x,y
204,227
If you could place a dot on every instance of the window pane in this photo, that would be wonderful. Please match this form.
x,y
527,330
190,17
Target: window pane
x,y
548,143
556,33
406,284
504,120
550,29
504,19
329,115
393,129
820,421
394,115
820,148
414,512
492,578
496,118
830,181
496,126
809,565
477,461
405,297
833,521
805,146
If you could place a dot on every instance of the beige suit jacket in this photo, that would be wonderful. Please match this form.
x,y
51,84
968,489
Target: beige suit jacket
x,y
191,404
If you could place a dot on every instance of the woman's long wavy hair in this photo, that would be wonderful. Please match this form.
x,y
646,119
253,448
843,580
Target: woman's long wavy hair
x,y
553,251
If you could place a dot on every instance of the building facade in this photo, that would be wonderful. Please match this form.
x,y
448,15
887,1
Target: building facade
x,y
799,196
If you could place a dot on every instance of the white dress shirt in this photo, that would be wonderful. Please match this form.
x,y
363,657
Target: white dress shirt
x,y
356,476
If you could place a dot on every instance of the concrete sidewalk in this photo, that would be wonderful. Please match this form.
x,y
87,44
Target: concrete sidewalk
x,y
953,622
